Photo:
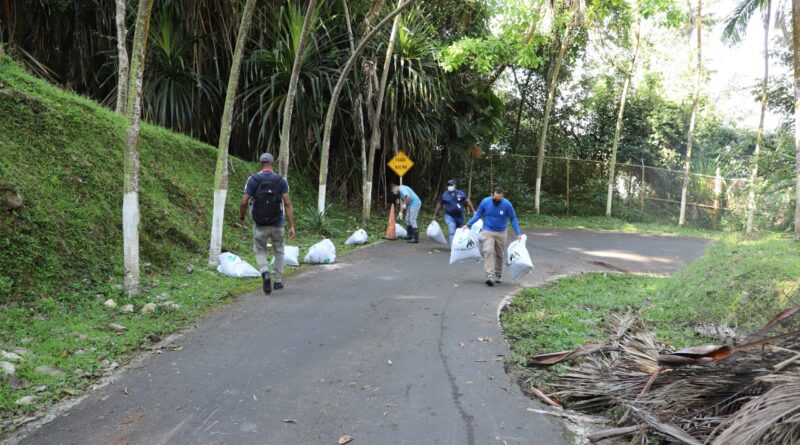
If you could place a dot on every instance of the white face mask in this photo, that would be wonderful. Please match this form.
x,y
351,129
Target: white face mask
x,y
451,188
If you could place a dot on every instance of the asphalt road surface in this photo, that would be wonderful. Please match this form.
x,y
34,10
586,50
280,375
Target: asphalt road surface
x,y
382,346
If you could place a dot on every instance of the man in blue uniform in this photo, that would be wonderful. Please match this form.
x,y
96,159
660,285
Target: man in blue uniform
x,y
495,211
455,203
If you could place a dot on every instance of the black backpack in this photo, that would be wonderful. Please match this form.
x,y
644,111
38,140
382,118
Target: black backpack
x,y
267,210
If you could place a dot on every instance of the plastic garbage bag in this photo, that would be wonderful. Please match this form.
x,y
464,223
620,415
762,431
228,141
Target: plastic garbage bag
x,y
358,237
434,232
477,228
291,255
234,266
400,230
518,259
324,252
465,247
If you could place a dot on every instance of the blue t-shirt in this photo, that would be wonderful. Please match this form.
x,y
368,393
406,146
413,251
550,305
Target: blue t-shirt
x,y
496,216
251,186
454,202
404,191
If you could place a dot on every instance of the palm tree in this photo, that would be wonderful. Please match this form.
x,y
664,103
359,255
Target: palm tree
x,y
130,169
221,172
337,89
735,28
693,118
289,105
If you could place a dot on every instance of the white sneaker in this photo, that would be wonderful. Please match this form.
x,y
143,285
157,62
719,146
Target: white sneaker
x,y
497,279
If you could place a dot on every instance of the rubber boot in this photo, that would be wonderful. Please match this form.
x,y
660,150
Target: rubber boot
x,y
409,233
414,236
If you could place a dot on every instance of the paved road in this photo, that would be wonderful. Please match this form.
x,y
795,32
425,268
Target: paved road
x,y
381,346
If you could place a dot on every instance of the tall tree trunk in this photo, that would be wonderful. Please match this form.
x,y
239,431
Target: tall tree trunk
x,y
796,44
523,99
130,165
289,106
337,89
122,58
221,171
693,120
358,112
375,116
551,92
618,128
751,198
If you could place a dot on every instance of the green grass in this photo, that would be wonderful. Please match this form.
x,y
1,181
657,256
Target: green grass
x,y
61,252
737,283
530,220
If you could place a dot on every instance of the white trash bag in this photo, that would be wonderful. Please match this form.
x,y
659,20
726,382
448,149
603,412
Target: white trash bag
x,y
434,232
359,237
234,266
477,228
324,252
518,259
291,256
465,247
400,231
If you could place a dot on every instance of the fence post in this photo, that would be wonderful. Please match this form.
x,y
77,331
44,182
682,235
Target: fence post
x,y
717,193
568,186
642,189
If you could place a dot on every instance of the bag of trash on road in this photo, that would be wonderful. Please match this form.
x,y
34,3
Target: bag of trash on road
x,y
434,232
358,237
324,252
291,256
400,231
465,247
234,266
518,259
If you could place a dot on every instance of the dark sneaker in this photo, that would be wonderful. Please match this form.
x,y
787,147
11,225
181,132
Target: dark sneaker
x,y
498,279
490,280
278,285
266,286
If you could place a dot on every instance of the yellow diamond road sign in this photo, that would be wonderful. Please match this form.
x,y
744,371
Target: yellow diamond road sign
x,y
401,163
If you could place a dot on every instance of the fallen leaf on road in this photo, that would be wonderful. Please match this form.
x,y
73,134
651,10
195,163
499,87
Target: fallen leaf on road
x,y
389,361
499,358
462,344
292,421
344,439
483,339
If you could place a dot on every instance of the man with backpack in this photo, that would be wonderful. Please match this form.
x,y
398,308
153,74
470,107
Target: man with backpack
x,y
267,196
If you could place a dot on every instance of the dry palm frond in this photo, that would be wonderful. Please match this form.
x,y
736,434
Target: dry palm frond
x,y
772,418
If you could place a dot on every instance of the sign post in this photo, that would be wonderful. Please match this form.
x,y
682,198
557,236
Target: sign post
x,y
400,164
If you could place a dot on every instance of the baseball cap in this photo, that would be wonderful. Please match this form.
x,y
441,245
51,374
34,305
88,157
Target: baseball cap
x,y
267,158
451,182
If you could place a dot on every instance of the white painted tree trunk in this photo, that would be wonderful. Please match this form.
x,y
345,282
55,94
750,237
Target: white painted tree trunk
x,y
221,172
326,136
122,58
289,105
551,92
620,115
131,160
751,198
693,120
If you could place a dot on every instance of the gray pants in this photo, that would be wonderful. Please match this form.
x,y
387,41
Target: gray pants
x,y
413,213
260,236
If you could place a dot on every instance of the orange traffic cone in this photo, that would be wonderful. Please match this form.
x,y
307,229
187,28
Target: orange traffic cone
x,y
391,229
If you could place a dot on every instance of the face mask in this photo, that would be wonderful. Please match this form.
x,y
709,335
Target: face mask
x,y
451,188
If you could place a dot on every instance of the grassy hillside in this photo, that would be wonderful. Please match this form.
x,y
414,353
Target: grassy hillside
x,y
63,155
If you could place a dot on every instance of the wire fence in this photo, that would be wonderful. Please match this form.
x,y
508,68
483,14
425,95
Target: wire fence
x,y
579,187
